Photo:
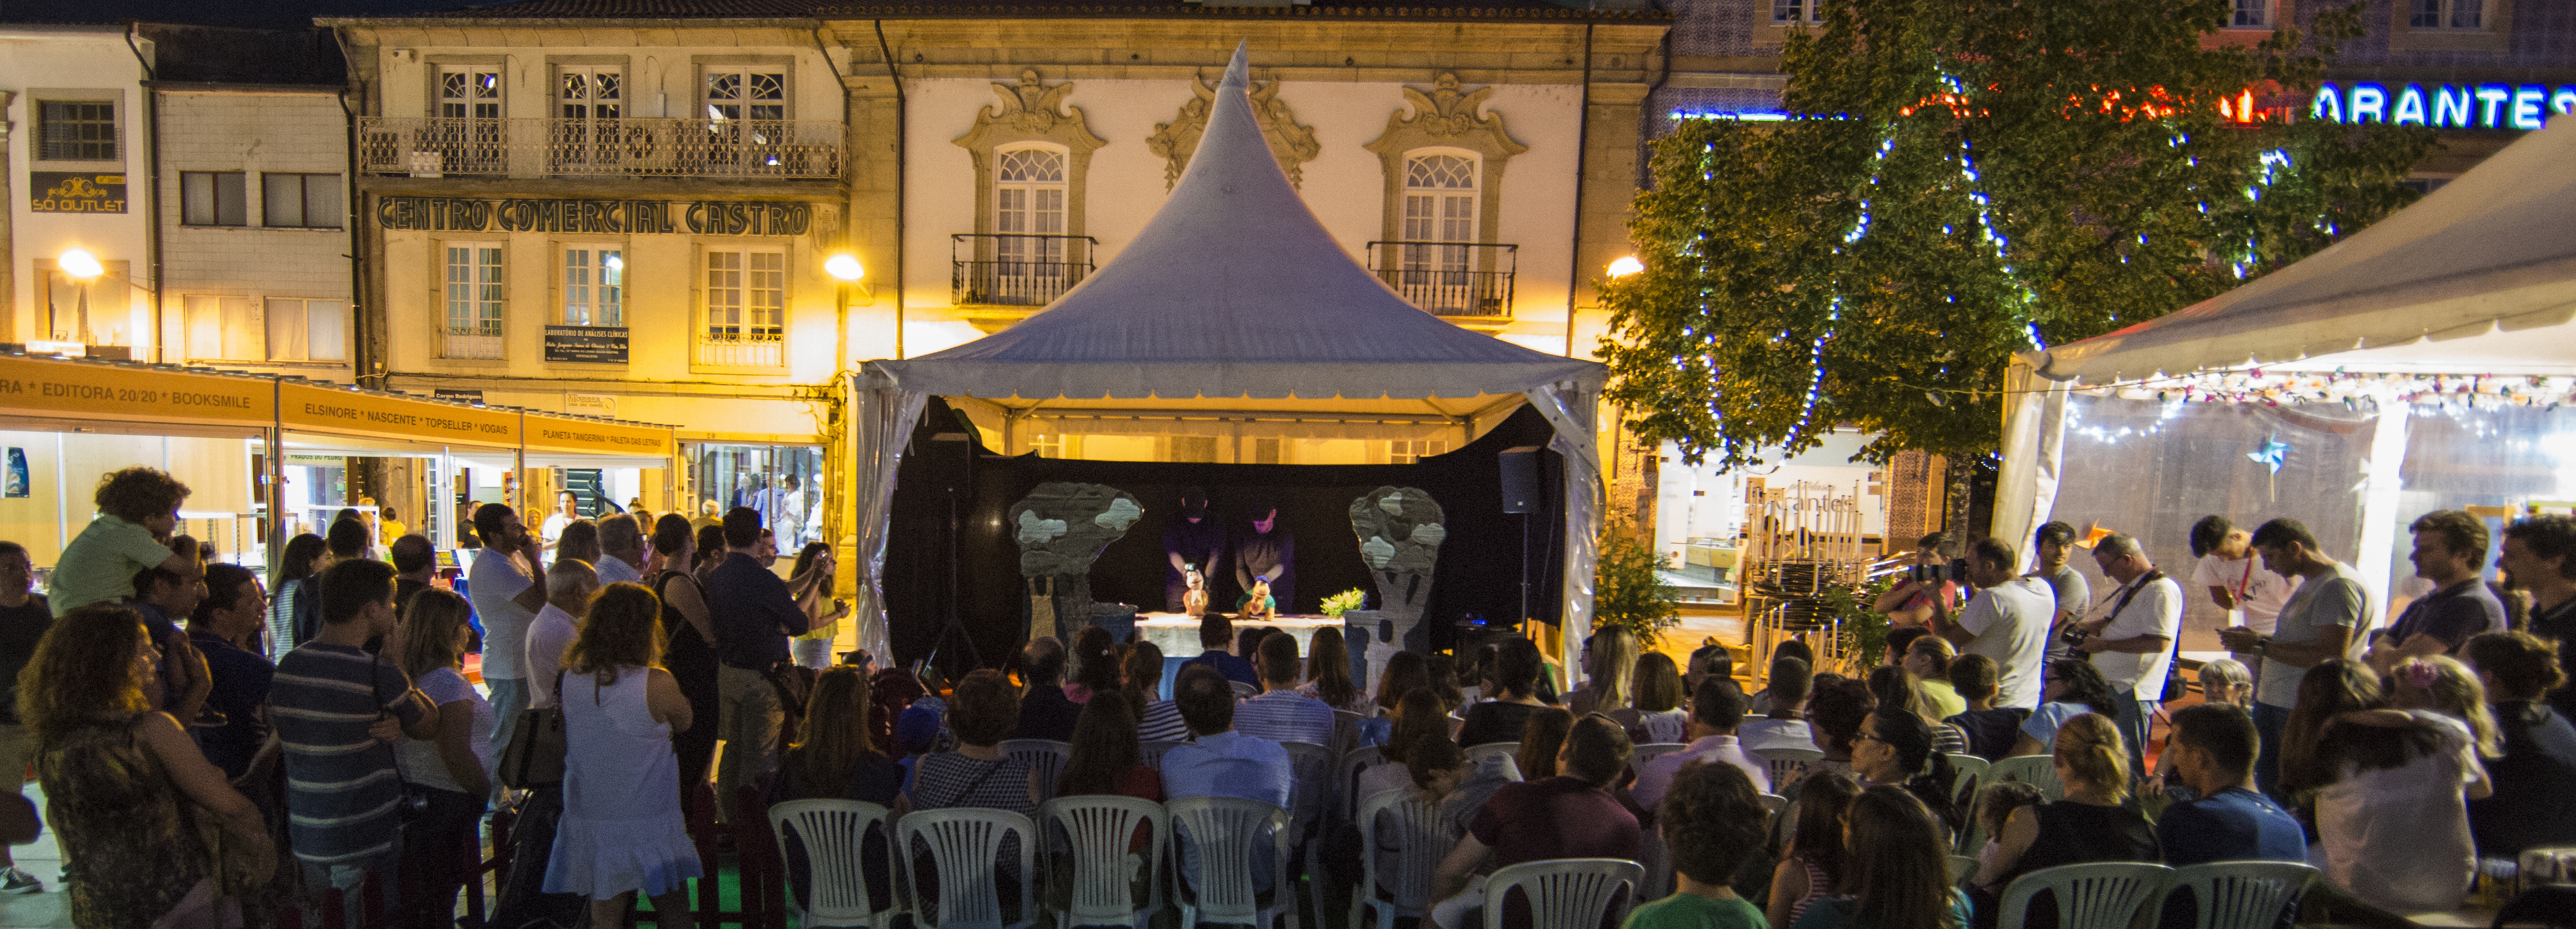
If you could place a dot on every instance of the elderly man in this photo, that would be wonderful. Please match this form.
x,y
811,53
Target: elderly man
x,y
621,550
2450,546
569,585
2007,621
2318,623
2131,637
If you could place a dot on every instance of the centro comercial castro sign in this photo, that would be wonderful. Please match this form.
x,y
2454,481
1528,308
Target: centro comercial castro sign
x,y
2509,107
527,214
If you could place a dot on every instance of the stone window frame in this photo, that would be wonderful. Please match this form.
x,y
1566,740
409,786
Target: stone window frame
x,y
438,320
434,67
2495,36
1449,117
558,272
699,65
37,97
700,301
1031,111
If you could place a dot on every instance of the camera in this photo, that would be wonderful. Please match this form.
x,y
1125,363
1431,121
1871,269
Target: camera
x,y
1936,573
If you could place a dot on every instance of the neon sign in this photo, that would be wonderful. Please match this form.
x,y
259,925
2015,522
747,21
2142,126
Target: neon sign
x,y
2512,107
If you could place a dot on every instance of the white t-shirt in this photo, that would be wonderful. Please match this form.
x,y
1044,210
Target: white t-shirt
x,y
2260,594
2156,610
1762,735
2398,838
418,758
493,582
547,637
2010,622
2336,601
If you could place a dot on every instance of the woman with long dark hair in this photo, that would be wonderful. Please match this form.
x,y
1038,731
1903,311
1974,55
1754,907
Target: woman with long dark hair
x,y
1812,864
1542,737
303,553
1328,673
1405,672
1420,715
1106,758
1896,870
2070,689
1898,688
1095,665
835,757
2394,821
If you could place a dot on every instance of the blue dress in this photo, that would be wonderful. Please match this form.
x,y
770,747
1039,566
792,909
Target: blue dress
x,y
621,828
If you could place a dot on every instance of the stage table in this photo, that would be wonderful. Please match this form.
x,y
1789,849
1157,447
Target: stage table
x,y
1177,634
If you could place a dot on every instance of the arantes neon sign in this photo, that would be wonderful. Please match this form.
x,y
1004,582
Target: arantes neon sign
x,y
2447,106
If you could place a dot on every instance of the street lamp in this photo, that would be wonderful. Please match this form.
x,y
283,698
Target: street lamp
x,y
1626,266
80,263
844,266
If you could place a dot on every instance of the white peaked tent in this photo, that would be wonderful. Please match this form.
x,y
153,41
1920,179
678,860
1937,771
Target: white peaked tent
x,y
2478,277
1234,297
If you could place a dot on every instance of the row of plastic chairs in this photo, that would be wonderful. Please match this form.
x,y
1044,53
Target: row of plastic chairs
x,y
2111,895
1098,888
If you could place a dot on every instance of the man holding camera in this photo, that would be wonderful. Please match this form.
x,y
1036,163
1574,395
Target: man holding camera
x,y
2007,621
1927,590
2131,637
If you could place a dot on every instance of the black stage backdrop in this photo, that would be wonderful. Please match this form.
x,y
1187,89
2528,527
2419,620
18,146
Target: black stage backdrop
x,y
948,479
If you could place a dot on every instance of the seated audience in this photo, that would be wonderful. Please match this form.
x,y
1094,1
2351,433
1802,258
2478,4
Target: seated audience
x,y
2535,779
1280,713
1811,865
1454,787
2223,682
1995,806
1716,711
1328,673
1896,875
1897,688
1712,820
1419,717
1216,636
1516,668
833,758
1221,762
1404,672
1045,712
1794,648
1658,715
1707,661
2089,825
1900,641
1834,718
1158,720
2071,688
1786,724
1106,759
2393,822
1928,659
1541,739
1894,747
984,711
1992,731
1572,815
1095,665
1609,657
1444,681
2212,752
2334,687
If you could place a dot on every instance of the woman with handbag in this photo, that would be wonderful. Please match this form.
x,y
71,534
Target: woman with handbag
x,y
451,775
621,830
151,833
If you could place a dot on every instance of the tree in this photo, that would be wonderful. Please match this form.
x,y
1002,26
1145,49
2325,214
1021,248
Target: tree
x,y
1627,592
1959,180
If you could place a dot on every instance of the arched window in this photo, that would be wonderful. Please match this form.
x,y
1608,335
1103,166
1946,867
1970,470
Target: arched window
x,y
1028,212
1440,200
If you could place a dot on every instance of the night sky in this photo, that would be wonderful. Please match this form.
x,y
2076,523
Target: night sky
x,y
268,14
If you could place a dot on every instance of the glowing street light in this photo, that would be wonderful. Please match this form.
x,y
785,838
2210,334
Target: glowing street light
x,y
1626,266
79,263
844,266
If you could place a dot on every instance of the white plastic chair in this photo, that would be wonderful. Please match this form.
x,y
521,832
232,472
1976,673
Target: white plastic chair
x,y
2238,894
1346,732
1045,759
1787,763
1100,831
1223,831
1567,893
965,844
1346,777
1311,798
1421,843
1773,804
1962,867
1974,772
1153,752
1653,750
2099,895
1243,691
1476,754
834,834
2036,770
1969,765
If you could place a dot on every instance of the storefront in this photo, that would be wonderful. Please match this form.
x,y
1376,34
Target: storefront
x,y
783,481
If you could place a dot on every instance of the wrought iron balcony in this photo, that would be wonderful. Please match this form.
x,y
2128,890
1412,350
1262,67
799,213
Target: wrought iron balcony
x,y
1014,269
1449,278
436,147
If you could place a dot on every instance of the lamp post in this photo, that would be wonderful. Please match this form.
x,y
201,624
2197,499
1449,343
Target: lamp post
x,y
80,265
1626,266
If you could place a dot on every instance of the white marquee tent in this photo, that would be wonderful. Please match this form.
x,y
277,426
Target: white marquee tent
x,y
1233,298
2477,278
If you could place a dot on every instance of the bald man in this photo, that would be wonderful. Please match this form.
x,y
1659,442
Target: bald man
x,y
569,585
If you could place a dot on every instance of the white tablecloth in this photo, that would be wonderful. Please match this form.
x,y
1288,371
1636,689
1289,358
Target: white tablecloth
x,y
1178,635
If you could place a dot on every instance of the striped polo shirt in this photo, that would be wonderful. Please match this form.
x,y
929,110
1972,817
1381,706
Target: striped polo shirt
x,y
341,786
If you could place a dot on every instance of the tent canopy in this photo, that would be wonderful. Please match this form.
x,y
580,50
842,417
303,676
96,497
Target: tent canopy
x,y
2478,277
1232,293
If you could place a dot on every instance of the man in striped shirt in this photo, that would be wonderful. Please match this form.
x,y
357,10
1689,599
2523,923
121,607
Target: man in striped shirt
x,y
1281,714
337,710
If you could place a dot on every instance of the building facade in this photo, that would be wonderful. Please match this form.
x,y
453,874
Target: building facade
x,y
79,270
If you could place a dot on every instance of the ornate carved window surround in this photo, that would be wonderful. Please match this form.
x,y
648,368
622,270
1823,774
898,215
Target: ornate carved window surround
x,y
1446,118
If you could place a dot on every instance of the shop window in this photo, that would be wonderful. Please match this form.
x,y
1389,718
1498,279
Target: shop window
x,y
783,482
307,330
745,321
76,130
594,284
93,311
2251,14
1412,451
213,198
300,201
474,295
1791,12
2446,14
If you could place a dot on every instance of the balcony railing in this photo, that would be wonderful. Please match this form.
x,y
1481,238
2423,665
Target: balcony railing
x,y
434,147
1016,270
1449,278
741,347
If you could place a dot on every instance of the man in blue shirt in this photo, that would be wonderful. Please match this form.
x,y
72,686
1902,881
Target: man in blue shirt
x,y
753,614
2213,748
1216,637
1223,762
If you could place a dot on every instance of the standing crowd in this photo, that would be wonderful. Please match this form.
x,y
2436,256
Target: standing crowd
x,y
188,775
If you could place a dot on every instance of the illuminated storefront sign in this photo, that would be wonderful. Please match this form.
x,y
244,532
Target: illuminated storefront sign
x,y
2511,107
464,214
